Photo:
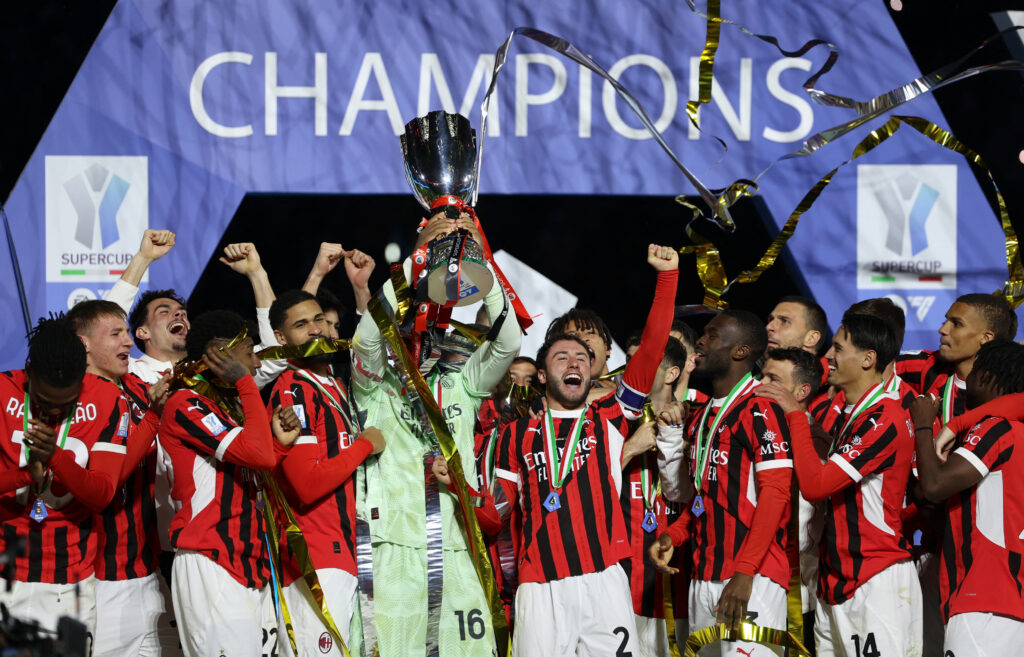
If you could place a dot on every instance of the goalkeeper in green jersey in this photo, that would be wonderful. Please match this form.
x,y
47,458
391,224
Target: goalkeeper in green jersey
x,y
397,488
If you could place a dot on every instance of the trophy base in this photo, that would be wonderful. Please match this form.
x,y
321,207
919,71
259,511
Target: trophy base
x,y
474,278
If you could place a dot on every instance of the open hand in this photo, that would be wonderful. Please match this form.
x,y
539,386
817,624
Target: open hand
x,y
732,606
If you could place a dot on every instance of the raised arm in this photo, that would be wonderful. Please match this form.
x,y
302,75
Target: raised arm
x,y
643,366
155,245
488,364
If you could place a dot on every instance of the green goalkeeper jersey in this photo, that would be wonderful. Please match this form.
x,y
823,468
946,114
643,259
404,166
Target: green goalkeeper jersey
x,y
392,486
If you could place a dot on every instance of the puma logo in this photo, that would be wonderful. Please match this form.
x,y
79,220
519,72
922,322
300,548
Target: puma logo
x,y
195,407
874,423
756,414
745,652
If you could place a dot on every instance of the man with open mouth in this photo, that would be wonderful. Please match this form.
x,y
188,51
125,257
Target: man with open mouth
x,y
563,469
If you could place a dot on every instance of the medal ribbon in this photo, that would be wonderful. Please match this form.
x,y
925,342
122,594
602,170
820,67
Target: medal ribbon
x,y
869,399
947,401
649,489
560,467
62,432
742,387
334,401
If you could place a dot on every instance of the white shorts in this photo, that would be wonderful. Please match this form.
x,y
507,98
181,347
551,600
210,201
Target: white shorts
x,y
767,607
979,634
216,615
47,603
584,616
883,617
311,635
134,617
652,637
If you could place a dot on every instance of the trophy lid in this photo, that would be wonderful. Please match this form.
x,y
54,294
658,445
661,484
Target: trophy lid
x,y
439,151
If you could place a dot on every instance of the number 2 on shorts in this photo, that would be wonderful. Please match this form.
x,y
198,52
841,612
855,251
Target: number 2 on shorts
x,y
621,650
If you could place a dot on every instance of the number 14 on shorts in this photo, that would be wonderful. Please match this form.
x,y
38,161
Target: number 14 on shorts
x,y
867,647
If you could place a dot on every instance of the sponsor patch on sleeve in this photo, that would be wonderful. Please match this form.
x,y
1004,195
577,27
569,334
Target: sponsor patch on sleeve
x,y
300,411
213,424
122,426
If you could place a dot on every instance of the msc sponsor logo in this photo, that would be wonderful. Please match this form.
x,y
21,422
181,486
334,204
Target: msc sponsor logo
x,y
906,226
97,208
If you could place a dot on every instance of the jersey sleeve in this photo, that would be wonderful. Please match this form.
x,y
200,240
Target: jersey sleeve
x,y
94,486
982,446
643,366
506,461
214,433
873,441
770,436
913,367
491,360
672,462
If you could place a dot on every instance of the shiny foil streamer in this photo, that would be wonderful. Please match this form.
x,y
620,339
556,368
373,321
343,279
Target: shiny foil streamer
x,y
746,632
712,273
185,371
719,212
316,347
435,557
477,547
364,569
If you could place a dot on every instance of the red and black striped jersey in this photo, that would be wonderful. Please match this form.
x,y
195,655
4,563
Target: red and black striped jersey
x,y
128,544
752,438
645,580
61,548
586,533
217,496
316,474
983,549
863,531
500,547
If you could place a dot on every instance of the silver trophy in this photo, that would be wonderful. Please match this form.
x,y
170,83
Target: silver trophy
x,y
439,151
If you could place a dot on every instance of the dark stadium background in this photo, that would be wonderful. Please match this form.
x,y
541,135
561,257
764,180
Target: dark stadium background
x,y
591,245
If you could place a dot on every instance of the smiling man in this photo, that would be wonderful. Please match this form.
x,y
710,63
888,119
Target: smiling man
x,y
865,558
563,469
132,604
971,321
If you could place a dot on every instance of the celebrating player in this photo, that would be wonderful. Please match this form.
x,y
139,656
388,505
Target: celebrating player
x,y
317,475
67,432
564,470
864,556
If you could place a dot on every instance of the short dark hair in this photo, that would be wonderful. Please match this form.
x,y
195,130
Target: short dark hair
x,y
995,311
83,314
869,332
542,353
55,352
583,319
675,356
884,309
524,359
689,334
329,301
212,325
1001,363
137,317
283,303
634,339
815,318
751,330
806,366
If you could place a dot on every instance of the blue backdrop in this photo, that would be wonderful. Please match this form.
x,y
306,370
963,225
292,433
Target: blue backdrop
x,y
181,108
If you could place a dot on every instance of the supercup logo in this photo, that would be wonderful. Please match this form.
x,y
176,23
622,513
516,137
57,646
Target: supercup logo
x,y
97,209
906,226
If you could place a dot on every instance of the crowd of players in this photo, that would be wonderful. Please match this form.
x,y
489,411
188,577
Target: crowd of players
x,y
757,472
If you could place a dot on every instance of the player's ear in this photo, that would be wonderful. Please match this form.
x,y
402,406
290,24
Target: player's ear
x,y
142,333
542,376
